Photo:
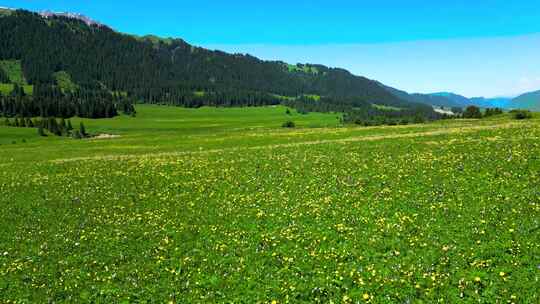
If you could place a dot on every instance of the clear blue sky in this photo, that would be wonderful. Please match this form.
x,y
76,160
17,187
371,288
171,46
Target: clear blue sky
x,y
417,45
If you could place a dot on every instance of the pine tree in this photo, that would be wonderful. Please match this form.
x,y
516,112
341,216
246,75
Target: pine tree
x,y
77,134
472,112
40,131
16,124
82,130
69,126
62,126
18,91
53,127
7,122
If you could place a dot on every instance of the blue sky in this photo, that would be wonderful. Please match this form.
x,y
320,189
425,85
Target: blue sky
x,y
482,47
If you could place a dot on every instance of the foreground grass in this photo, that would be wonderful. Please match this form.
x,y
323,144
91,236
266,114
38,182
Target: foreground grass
x,y
227,207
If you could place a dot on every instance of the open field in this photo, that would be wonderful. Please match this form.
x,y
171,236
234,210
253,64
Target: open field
x,y
224,205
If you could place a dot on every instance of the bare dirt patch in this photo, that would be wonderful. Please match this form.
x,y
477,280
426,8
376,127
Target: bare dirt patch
x,y
105,136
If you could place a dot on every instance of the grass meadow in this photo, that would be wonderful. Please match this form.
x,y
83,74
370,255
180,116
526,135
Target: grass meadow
x,y
225,206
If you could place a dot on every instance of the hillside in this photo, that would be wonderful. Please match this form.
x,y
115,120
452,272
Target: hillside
x,y
450,100
447,99
428,99
498,102
456,99
527,101
169,71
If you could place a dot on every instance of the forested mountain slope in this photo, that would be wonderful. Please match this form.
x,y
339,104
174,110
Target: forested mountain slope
x,y
152,70
428,99
122,62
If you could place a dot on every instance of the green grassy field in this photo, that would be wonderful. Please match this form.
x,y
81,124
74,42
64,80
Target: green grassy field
x,y
225,206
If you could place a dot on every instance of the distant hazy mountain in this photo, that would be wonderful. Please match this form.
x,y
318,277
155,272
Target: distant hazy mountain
x,y
530,101
458,100
496,102
483,102
433,100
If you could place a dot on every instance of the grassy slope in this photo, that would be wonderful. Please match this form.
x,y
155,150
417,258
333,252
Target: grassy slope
x,y
14,71
386,108
5,12
302,68
7,88
63,80
255,212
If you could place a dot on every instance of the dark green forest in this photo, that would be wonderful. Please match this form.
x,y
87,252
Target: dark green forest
x,y
49,100
113,70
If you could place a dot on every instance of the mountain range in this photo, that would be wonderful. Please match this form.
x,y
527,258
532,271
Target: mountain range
x,y
529,101
155,69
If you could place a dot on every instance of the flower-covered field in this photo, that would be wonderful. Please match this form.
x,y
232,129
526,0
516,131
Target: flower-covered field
x,y
447,212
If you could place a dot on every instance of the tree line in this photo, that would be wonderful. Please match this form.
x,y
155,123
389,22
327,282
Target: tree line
x,y
362,112
50,101
61,127
474,112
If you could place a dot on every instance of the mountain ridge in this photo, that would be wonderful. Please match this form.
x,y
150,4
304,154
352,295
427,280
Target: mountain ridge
x,y
529,100
158,70
77,16
173,62
178,59
428,99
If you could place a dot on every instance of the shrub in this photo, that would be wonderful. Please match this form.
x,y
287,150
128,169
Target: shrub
x,y
456,110
288,124
521,114
77,134
40,131
492,112
82,130
419,119
472,112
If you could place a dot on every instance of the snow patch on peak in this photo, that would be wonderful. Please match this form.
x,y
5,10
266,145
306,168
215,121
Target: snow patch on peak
x,y
81,17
